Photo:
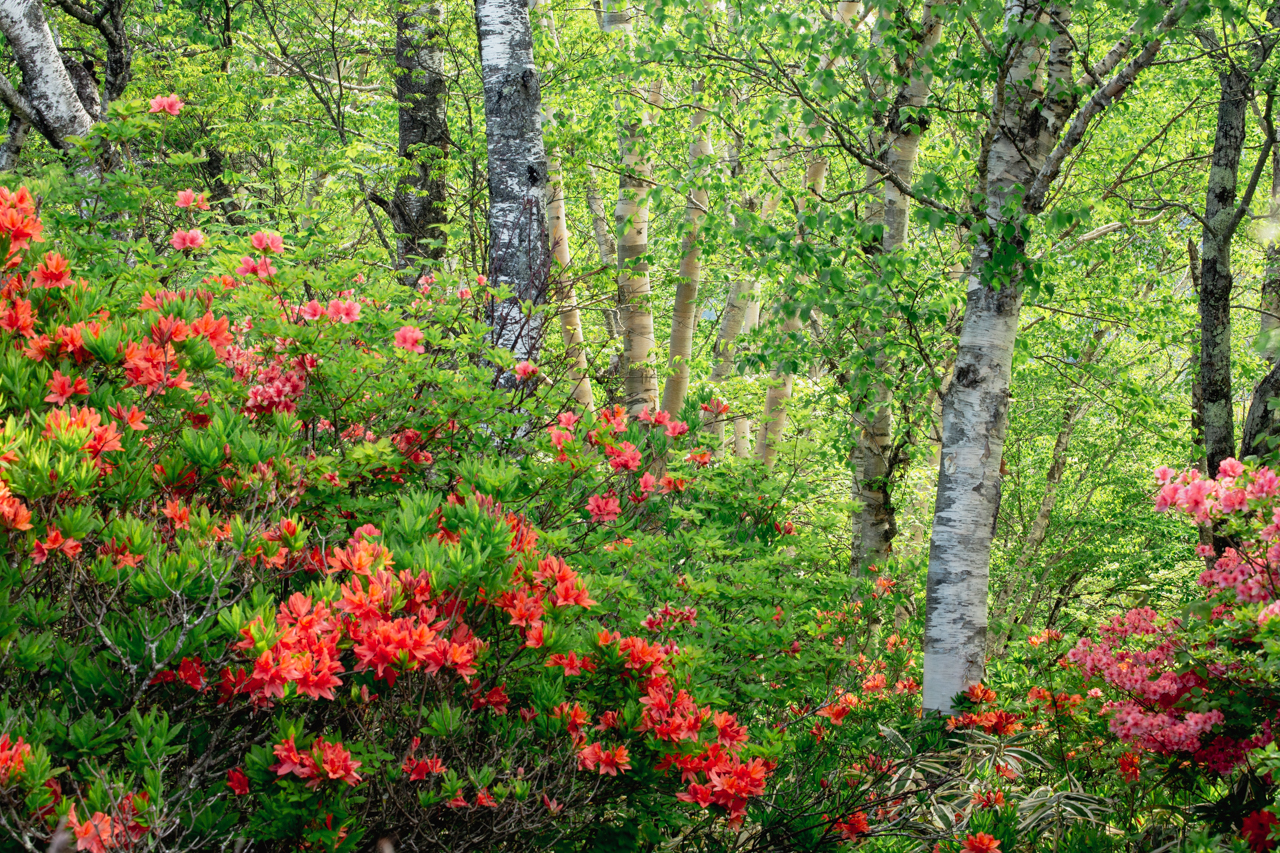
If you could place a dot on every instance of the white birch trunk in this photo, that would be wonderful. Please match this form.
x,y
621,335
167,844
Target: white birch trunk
x,y
570,317
48,95
774,419
742,437
640,378
975,408
607,245
684,314
518,258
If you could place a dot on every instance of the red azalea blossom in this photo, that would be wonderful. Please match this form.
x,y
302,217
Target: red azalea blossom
x,y
1256,829
852,826
981,842
237,781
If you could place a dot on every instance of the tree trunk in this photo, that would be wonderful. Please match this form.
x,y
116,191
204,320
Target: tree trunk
x,y
1215,267
109,21
684,315
975,408
570,318
518,259
1269,322
417,210
774,420
15,138
47,97
640,377
879,517
607,245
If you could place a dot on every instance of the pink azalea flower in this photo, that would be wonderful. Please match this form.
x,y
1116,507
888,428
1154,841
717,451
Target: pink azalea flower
x,y
524,370
410,338
267,241
186,198
170,104
247,267
312,310
192,239
343,311
1230,468
603,507
464,293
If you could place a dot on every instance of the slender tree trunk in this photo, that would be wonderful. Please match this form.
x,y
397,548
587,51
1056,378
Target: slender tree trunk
x,y
1269,324
1215,267
774,420
684,315
1262,423
518,258
570,318
640,379
607,244
418,209
15,138
1021,575
879,517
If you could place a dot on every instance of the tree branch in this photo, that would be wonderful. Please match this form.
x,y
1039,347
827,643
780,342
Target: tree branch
x,y
1102,97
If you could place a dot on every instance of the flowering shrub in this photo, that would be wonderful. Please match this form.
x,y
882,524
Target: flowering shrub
x,y
256,552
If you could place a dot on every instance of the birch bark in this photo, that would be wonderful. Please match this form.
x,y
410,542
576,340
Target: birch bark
x,y
774,419
47,97
1026,147
905,126
570,317
606,244
684,314
518,258
975,408
631,217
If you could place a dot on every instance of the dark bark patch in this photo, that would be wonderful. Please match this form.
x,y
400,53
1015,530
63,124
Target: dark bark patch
x,y
967,376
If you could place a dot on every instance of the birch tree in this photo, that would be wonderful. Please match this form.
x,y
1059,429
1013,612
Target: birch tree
x,y
905,124
1037,120
684,314
46,99
518,257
